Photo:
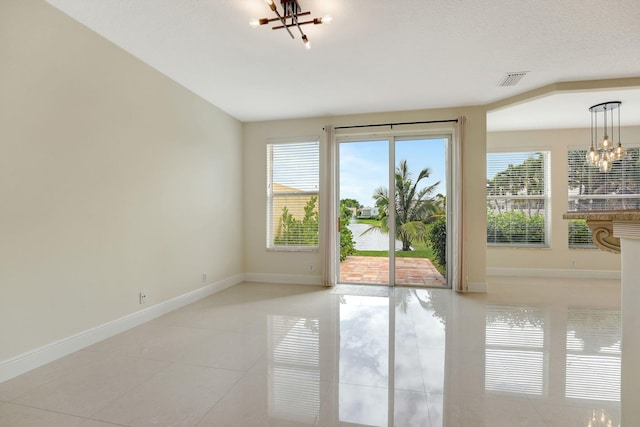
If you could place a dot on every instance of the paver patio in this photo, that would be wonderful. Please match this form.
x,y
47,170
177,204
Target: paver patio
x,y
409,271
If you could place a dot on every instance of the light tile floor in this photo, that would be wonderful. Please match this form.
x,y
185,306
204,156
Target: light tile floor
x,y
525,354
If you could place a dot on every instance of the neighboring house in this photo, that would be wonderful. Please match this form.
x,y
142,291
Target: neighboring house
x,y
293,199
369,212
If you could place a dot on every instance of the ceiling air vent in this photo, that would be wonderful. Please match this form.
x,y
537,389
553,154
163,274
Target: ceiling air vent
x,y
511,79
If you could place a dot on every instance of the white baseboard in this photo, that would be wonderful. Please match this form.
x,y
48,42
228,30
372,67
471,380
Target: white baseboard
x,y
555,273
296,279
48,353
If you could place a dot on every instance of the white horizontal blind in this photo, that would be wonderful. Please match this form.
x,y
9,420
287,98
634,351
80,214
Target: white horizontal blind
x,y
515,350
518,198
590,189
593,354
293,175
294,380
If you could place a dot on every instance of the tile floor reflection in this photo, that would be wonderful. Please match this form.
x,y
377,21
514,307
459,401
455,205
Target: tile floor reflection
x,y
525,354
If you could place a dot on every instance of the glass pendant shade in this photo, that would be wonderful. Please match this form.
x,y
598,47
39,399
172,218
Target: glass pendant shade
x,y
620,151
592,156
602,153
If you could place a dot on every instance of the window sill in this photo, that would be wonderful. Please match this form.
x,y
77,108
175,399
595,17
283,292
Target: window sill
x,y
293,249
517,247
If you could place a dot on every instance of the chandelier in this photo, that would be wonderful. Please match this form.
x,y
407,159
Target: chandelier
x,y
290,17
603,153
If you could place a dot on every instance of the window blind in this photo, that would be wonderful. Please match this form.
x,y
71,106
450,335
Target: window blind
x,y
590,189
593,354
294,380
293,175
518,198
515,360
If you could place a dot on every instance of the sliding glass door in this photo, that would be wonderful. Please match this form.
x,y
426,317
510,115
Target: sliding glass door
x,y
364,243
420,211
392,208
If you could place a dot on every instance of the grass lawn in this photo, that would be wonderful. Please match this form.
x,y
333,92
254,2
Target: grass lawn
x,y
369,221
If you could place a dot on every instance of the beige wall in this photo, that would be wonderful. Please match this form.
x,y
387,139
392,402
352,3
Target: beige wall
x,y
113,179
259,261
558,256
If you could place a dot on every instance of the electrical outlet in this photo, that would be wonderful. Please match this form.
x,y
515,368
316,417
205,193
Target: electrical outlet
x,y
204,277
143,297
573,263
310,268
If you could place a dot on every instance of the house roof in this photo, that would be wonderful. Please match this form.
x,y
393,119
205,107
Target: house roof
x,y
379,55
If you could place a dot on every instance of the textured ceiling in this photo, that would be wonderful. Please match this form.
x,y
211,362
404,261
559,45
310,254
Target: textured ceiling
x,y
376,55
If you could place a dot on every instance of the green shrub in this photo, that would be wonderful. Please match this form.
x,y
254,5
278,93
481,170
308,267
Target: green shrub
x,y
299,232
515,227
579,234
347,244
438,239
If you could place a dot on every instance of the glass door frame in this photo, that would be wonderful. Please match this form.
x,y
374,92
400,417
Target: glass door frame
x,y
391,137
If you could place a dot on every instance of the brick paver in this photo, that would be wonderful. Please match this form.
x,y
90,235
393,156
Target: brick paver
x,y
409,271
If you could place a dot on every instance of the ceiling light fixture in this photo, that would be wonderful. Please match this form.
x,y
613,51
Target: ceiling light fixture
x,y
603,153
290,17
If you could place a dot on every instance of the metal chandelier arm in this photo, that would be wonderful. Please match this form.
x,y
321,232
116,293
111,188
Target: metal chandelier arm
x,y
291,11
282,19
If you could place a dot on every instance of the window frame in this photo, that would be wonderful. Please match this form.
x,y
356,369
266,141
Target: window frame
x,y
545,197
272,196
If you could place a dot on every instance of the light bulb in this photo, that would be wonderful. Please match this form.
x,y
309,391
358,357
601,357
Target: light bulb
x,y
254,23
305,40
606,143
605,165
326,19
592,156
621,153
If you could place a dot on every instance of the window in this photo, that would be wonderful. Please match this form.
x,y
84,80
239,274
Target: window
x,y
292,195
518,198
590,189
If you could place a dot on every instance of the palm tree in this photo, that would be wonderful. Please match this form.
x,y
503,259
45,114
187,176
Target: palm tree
x,y
414,206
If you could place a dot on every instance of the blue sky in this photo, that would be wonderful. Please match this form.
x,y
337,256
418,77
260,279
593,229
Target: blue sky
x,y
364,165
